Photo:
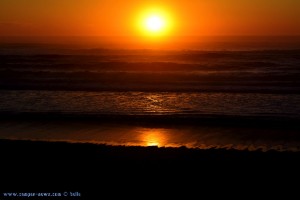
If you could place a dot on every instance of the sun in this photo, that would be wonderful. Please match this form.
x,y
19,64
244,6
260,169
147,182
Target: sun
x,y
154,23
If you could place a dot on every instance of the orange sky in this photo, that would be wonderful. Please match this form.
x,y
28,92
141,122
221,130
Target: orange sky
x,y
119,18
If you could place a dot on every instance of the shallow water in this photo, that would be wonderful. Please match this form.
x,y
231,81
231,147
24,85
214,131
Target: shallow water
x,y
203,137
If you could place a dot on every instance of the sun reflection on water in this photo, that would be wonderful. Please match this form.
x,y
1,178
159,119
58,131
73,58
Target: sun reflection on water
x,y
153,137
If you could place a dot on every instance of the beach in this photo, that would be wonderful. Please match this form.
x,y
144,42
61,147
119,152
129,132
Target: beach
x,y
61,166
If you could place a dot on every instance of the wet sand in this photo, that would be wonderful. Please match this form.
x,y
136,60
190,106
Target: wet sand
x,y
161,131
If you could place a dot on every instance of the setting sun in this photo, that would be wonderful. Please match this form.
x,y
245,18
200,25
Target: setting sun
x,y
154,23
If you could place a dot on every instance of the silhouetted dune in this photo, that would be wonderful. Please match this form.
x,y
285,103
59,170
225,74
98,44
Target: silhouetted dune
x,y
87,168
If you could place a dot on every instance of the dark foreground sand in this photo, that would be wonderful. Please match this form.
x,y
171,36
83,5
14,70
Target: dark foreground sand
x,y
94,170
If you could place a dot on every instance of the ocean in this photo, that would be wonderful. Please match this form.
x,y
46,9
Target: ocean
x,y
241,94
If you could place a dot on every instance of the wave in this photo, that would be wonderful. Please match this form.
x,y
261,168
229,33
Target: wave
x,y
216,71
167,105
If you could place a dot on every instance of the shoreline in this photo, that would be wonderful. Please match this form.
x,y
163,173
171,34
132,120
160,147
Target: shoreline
x,y
137,153
232,133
